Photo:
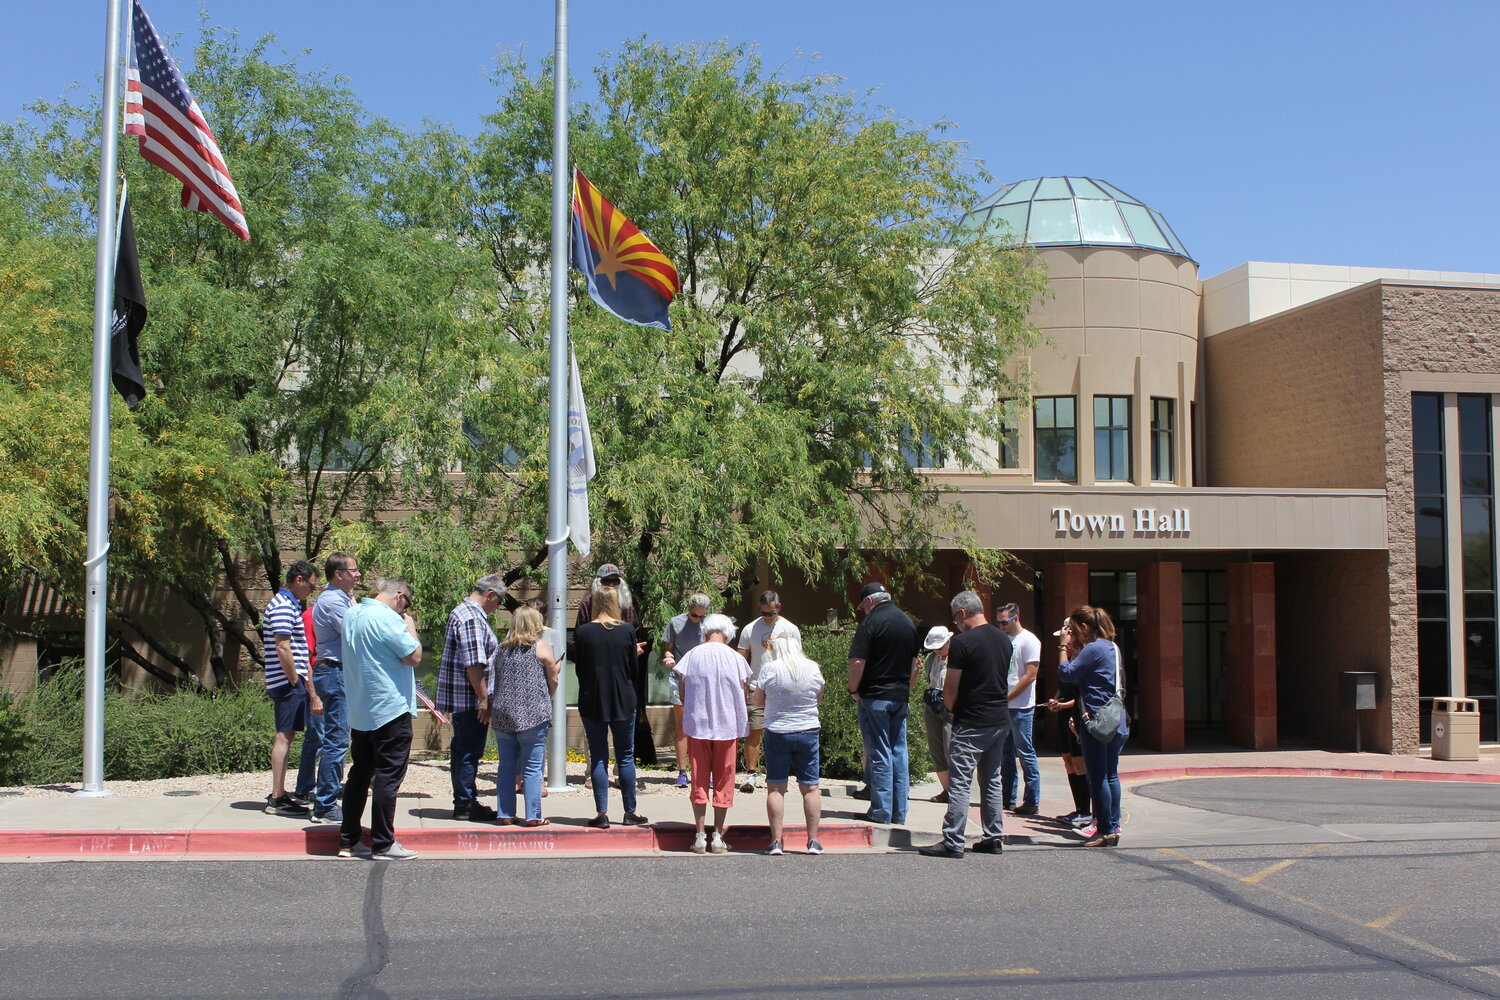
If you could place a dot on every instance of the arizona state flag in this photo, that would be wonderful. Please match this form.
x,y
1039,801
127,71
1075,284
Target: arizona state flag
x,y
626,273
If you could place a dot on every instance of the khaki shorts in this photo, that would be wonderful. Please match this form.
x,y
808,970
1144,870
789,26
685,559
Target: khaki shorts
x,y
757,713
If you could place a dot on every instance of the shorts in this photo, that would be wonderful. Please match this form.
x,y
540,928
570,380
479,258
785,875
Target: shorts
x,y
291,708
794,754
757,713
674,687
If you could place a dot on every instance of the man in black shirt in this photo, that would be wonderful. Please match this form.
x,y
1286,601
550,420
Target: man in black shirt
x,y
975,692
883,668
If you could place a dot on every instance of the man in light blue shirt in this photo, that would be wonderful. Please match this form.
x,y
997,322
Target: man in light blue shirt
x,y
380,649
328,680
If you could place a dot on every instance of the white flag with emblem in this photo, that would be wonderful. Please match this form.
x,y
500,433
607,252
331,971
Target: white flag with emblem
x,y
580,461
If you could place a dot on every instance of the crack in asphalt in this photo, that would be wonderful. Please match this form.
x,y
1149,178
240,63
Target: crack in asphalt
x,y
361,984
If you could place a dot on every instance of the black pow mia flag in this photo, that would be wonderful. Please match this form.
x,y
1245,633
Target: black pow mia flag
x,y
129,316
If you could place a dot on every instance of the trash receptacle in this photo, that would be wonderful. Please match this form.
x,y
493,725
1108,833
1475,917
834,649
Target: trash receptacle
x,y
1455,729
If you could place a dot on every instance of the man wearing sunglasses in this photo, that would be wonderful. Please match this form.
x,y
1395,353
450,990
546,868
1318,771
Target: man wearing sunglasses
x,y
755,646
683,633
1025,661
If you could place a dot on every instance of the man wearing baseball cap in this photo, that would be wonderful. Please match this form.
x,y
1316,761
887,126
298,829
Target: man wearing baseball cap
x,y
883,669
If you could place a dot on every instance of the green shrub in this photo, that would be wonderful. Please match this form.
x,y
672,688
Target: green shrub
x,y
841,747
146,735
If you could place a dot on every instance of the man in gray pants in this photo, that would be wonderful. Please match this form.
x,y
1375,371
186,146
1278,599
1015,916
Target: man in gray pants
x,y
977,697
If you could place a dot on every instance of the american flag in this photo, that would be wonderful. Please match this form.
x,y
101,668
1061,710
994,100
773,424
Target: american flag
x,y
160,109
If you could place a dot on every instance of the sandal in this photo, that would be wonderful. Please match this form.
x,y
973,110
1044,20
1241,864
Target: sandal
x,y
537,822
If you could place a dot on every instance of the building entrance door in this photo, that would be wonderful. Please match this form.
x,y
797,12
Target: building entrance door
x,y
1205,636
1115,592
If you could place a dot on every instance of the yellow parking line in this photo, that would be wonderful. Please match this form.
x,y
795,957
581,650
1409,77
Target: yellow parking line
x,y
1433,950
1282,865
1383,922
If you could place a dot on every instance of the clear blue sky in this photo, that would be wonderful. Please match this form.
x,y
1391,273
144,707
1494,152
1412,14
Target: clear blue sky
x,y
1317,132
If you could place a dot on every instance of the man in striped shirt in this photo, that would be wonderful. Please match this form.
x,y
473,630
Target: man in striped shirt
x,y
468,644
288,681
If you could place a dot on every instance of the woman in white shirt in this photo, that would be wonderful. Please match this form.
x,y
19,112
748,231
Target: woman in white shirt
x,y
790,689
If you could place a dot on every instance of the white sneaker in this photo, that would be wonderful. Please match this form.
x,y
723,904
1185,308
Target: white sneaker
x,y
353,850
717,845
775,849
394,853
748,785
700,844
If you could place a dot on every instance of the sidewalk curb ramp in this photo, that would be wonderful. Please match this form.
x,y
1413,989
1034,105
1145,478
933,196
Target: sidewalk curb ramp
x,y
322,841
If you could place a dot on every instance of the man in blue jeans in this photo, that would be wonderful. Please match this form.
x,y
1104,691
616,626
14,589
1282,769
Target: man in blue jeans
x,y
1025,661
883,667
343,575
463,692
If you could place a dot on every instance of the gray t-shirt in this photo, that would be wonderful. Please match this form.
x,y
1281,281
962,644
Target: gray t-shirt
x,y
682,635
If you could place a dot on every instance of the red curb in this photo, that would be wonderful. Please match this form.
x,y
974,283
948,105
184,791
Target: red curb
x,y
315,841
1148,774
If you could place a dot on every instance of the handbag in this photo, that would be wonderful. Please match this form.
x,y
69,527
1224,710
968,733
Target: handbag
x,y
1106,723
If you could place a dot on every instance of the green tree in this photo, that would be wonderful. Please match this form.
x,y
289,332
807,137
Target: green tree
x,y
826,320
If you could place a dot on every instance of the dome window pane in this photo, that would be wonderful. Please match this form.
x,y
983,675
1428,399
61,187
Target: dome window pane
x,y
975,220
1142,228
1121,195
1085,188
1053,187
1101,222
1017,192
1013,216
1053,222
1167,232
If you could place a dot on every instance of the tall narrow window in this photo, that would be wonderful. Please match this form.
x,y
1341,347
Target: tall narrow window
x,y
1010,436
1111,438
1477,524
1432,554
1164,440
921,451
1057,439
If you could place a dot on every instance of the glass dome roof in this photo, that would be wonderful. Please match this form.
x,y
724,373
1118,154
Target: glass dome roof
x,y
1071,211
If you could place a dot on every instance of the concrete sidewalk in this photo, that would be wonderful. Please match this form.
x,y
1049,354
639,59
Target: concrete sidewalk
x,y
178,824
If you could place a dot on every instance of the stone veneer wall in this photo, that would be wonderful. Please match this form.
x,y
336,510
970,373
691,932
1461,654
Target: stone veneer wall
x,y
1437,330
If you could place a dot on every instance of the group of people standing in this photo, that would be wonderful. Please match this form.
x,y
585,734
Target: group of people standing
x,y
346,675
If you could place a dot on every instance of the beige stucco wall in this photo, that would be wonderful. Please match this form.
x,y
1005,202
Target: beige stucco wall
x,y
1120,322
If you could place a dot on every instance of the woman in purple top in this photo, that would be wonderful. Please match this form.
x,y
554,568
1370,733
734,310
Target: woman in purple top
x,y
1090,660
714,681
522,678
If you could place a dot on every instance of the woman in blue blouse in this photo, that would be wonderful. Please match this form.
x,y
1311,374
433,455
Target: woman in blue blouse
x,y
1090,660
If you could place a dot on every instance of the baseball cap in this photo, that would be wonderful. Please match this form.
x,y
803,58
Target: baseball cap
x,y
873,587
938,635
608,570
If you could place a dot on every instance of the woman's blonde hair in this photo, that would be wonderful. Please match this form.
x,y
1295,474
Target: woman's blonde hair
x,y
787,649
606,606
525,628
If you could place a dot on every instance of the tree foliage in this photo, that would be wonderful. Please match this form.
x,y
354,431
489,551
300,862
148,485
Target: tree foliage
x,y
369,370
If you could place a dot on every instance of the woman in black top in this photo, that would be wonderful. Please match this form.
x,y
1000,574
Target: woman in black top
x,y
604,653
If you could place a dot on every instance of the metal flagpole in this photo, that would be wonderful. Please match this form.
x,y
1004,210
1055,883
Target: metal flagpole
x,y
557,453
95,566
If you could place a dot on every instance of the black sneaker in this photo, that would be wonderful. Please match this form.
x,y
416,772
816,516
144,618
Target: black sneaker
x,y
995,846
300,799
634,819
478,813
862,792
285,806
1025,810
940,851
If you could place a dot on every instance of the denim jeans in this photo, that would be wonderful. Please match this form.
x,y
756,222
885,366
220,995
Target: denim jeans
x,y
882,724
464,752
312,745
1019,744
1103,763
521,751
599,734
328,681
974,753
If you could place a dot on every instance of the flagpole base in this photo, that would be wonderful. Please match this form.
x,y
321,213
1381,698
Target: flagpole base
x,y
561,789
92,793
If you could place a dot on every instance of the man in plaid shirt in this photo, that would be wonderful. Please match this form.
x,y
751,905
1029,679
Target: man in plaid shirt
x,y
468,644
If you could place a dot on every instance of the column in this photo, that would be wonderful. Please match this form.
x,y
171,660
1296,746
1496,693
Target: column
x,y
1159,696
1064,587
1251,706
